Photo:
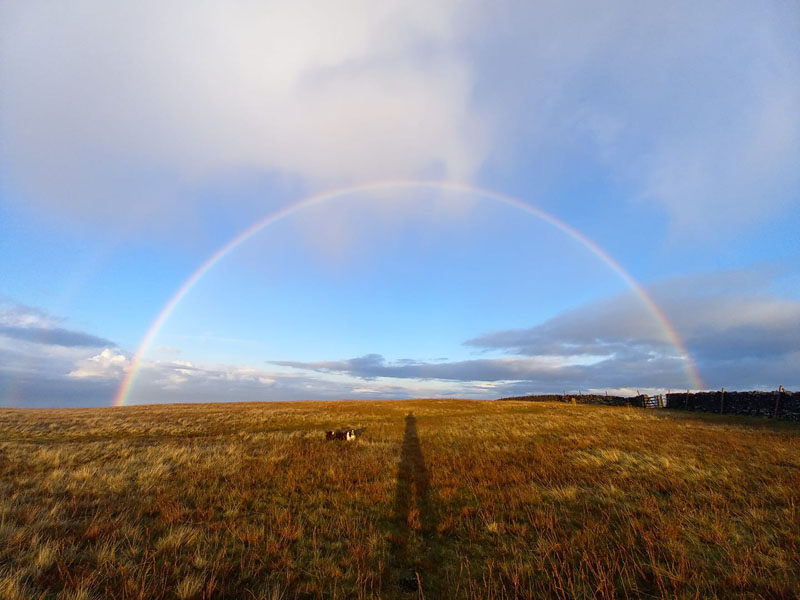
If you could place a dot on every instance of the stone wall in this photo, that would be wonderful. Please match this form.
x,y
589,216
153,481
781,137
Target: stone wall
x,y
600,399
782,405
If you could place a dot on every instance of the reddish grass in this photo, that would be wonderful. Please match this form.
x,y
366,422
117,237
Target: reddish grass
x,y
464,500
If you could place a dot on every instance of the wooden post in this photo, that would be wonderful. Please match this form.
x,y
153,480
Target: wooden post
x,y
722,401
687,399
778,401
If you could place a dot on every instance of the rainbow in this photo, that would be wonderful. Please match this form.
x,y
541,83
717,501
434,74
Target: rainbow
x,y
670,334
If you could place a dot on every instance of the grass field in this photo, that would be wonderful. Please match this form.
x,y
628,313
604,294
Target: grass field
x,y
437,499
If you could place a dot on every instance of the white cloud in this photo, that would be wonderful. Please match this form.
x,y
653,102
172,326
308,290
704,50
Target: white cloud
x,y
169,350
692,104
108,364
121,108
99,97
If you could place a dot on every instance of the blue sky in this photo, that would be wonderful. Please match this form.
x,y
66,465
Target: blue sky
x,y
137,139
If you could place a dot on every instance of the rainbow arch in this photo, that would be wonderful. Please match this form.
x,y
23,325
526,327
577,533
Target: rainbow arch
x,y
128,381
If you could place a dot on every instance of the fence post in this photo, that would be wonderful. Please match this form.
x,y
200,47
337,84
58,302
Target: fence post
x,y
722,401
778,401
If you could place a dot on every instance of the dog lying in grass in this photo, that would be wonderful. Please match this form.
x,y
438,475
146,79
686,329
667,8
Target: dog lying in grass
x,y
344,434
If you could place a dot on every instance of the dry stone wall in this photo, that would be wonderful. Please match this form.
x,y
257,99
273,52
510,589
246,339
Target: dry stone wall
x,y
782,405
600,399
779,404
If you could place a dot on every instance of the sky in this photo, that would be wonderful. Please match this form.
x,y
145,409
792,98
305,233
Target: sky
x,y
238,201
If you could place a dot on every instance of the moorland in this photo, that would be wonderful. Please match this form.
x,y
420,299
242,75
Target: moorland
x,y
435,499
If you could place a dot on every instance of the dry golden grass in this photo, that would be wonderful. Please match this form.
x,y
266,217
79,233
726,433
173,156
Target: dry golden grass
x,y
462,500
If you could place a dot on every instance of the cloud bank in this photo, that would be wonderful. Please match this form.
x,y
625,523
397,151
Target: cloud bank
x,y
54,335
691,104
37,356
99,96
738,337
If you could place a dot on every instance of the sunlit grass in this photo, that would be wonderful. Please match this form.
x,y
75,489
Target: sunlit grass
x,y
472,499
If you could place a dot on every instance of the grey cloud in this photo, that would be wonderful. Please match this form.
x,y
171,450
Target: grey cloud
x,y
372,366
619,325
736,338
36,375
55,336
52,390
32,376
37,356
642,370
176,382
717,312
34,325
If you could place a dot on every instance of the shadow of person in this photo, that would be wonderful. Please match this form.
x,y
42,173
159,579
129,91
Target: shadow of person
x,y
413,564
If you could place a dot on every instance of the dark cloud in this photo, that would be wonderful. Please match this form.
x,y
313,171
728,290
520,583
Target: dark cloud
x,y
642,370
55,336
735,336
52,390
38,356
32,324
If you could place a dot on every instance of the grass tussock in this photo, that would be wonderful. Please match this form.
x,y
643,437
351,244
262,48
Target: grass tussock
x,y
459,500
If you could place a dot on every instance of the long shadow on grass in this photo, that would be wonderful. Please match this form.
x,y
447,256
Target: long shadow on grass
x,y
413,559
